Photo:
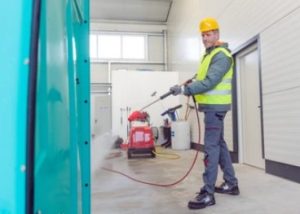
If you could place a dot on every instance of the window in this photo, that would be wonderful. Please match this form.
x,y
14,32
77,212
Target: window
x,y
109,46
118,46
133,47
93,46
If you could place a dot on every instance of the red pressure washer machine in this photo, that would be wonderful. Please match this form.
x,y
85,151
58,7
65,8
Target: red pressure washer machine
x,y
141,139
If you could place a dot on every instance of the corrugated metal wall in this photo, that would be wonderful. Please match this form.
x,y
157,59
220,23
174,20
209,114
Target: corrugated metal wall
x,y
281,89
276,24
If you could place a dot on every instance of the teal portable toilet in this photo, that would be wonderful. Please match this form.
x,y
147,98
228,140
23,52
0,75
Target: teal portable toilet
x,y
44,107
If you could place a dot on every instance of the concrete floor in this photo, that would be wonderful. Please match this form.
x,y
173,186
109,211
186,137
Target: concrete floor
x,y
112,193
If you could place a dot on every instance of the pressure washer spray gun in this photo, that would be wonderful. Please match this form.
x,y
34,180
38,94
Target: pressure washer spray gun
x,y
167,94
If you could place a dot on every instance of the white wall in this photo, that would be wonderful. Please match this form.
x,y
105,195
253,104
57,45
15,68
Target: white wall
x,y
183,37
276,22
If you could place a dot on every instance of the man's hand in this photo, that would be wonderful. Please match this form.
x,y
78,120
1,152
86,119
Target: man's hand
x,y
176,89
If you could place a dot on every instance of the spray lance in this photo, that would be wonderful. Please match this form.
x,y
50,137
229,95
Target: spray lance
x,y
167,94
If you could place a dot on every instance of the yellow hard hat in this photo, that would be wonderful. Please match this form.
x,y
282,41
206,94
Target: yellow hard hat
x,y
208,24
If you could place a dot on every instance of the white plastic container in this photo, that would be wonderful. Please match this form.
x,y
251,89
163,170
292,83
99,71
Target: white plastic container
x,y
161,139
180,135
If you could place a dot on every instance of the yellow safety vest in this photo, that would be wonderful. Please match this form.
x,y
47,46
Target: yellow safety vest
x,y
221,93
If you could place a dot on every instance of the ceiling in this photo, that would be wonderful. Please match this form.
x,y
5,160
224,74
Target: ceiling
x,y
130,10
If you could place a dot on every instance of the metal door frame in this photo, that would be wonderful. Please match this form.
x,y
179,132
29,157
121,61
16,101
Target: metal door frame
x,y
235,104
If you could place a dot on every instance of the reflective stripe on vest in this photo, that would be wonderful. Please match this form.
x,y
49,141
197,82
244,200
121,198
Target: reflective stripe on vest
x,y
221,93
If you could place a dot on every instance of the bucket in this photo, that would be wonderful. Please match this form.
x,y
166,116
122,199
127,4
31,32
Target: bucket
x,y
180,135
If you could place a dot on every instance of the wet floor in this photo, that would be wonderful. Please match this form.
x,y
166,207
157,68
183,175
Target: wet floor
x,y
114,193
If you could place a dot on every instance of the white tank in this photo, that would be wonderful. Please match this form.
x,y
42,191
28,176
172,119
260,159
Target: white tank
x,y
161,139
180,135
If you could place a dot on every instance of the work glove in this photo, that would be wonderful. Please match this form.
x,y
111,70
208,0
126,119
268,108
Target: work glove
x,y
176,89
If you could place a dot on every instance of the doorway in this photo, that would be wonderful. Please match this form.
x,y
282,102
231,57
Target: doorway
x,y
101,115
249,107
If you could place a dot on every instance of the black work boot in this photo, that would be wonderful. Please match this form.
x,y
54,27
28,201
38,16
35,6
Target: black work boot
x,y
225,188
202,200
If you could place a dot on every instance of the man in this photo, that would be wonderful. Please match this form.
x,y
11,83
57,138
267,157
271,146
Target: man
x,y
212,92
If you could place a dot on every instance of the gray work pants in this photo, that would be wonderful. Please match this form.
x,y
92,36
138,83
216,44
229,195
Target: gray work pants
x,y
216,152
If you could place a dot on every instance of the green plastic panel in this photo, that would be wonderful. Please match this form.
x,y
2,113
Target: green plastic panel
x,y
62,129
83,95
15,22
62,157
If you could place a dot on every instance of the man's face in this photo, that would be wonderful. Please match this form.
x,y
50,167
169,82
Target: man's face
x,y
209,38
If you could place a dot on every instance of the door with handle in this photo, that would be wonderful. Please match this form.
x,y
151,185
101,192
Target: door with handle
x,y
251,146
